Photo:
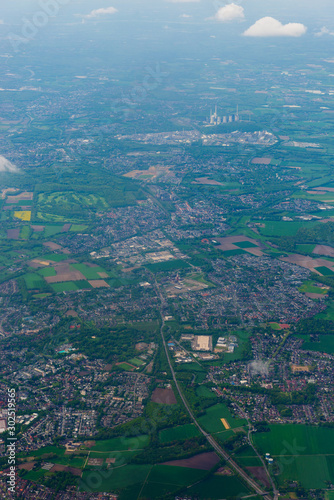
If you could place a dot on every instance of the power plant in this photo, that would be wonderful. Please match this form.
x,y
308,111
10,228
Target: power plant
x,y
215,119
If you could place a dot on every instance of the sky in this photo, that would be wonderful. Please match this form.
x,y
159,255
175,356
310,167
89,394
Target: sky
x,y
182,26
314,13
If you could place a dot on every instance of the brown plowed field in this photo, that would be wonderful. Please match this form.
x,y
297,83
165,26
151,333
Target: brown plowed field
x,y
52,245
262,161
208,182
98,284
13,234
260,474
64,468
19,197
324,250
308,262
203,461
164,396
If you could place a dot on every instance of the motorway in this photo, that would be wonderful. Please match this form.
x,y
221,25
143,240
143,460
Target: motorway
x,y
220,451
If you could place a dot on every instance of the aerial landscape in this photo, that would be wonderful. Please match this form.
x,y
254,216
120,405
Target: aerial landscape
x,y
167,250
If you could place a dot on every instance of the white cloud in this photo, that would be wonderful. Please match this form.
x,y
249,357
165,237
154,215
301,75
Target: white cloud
x,y
101,12
324,31
7,166
2,21
230,12
270,27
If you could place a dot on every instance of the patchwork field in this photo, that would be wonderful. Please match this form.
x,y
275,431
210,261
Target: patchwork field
x,y
319,266
59,273
234,245
19,198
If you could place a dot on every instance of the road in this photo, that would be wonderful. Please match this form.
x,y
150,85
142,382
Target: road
x,y
216,446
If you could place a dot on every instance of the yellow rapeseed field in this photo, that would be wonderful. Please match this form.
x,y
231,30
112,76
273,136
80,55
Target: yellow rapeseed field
x,y
23,215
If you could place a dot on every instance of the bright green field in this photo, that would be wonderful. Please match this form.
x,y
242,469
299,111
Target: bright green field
x,y
69,286
325,271
122,443
328,314
309,287
212,419
34,475
34,281
78,228
41,295
281,228
231,253
247,457
125,366
311,472
180,476
293,439
153,490
326,344
305,248
46,450
114,479
55,257
245,244
303,453
218,487
152,481
250,462
275,326
164,479
222,436
47,271
190,367
25,233
178,433
136,362
51,230
72,461
204,392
